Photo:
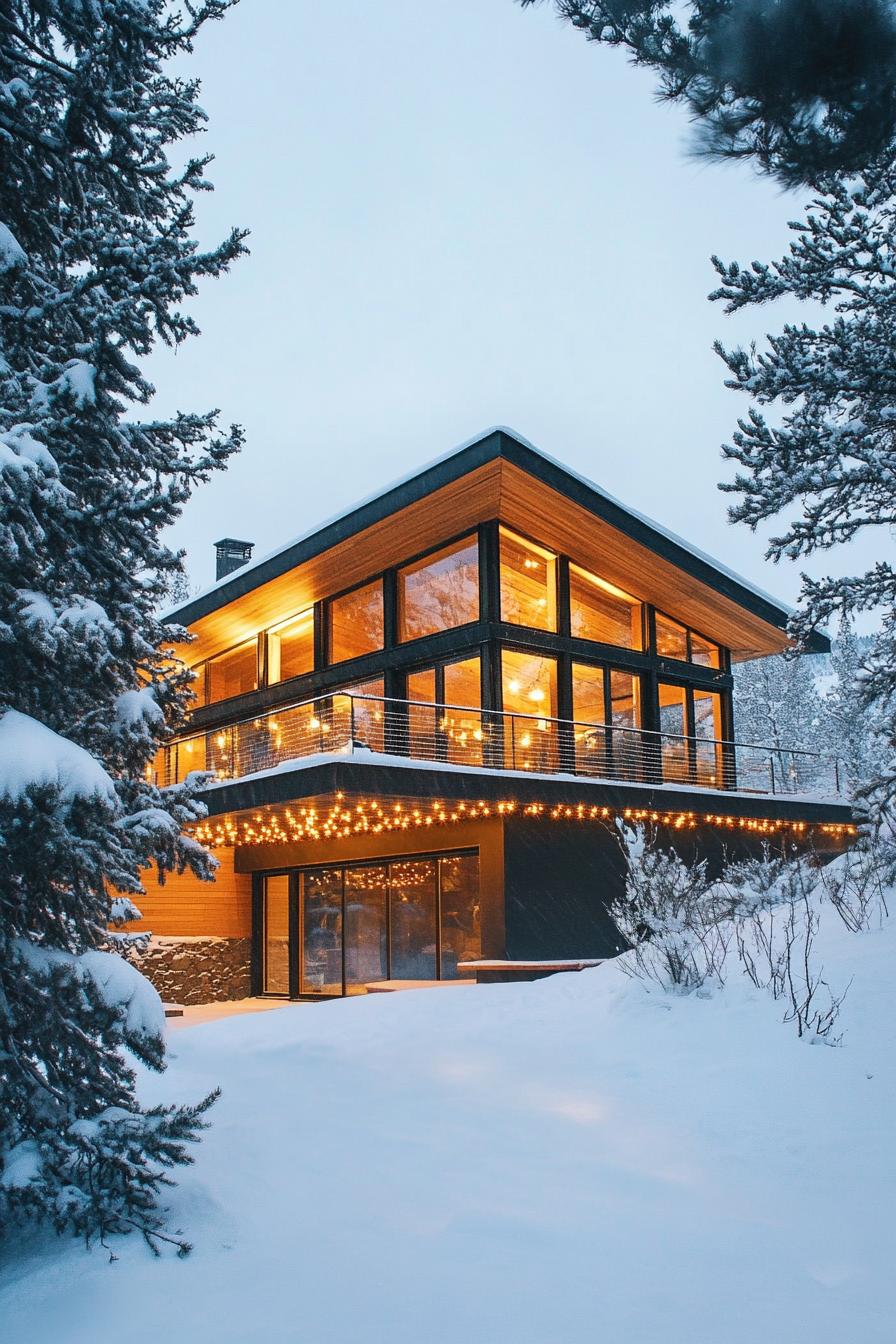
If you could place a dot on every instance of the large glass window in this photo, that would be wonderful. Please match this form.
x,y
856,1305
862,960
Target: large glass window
x,y
601,612
413,891
462,727
674,724
291,647
460,912
356,622
625,699
528,583
671,638
408,919
704,652
276,935
440,591
674,640
366,925
322,932
588,705
233,673
708,733
529,688
589,712
368,715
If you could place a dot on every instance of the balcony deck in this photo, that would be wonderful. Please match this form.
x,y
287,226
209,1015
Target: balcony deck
x,y
344,726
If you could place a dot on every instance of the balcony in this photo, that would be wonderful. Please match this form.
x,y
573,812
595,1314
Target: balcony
x,y
343,725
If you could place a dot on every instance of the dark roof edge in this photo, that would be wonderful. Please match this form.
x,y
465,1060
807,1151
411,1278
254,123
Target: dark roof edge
x,y
494,444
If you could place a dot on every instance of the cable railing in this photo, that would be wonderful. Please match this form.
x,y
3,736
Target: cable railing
x,y
345,724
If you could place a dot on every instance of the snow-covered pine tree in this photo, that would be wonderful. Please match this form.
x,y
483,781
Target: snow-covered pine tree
x,y
96,258
848,721
800,87
833,455
776,703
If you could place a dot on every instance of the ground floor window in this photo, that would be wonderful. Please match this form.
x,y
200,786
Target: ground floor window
x,y
276,935
413,918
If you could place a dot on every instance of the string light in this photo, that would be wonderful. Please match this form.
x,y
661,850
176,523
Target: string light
x,y
338,819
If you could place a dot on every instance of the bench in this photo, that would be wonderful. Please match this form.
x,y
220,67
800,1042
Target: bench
x,y
504,972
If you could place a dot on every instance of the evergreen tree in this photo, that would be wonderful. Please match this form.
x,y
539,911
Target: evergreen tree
x,y
849,722
776,703
96,259
801,87
833,454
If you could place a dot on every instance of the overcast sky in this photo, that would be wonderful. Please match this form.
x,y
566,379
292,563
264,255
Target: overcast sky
x,y
461,215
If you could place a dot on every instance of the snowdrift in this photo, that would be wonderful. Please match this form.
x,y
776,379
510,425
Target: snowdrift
x,y
580,1158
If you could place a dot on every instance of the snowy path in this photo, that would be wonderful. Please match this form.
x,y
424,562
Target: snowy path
x,y
545,1162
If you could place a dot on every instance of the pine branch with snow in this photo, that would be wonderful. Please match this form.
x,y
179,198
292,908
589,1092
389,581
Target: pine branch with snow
x,y
830,463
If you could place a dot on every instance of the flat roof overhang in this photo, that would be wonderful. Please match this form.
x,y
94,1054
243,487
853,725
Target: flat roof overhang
x,y
314,783
496,476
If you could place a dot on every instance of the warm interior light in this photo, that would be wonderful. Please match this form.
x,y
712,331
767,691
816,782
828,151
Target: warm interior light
x,y
513,686
537,694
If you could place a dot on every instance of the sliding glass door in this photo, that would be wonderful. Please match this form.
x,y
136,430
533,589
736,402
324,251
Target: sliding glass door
x,y
322,932
366,925
408,919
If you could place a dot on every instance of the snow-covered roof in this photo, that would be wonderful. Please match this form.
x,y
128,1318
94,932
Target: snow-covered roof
x,y
492,443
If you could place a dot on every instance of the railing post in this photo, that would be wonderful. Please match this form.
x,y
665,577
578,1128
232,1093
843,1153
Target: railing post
x,y
513,741
351,725
771,774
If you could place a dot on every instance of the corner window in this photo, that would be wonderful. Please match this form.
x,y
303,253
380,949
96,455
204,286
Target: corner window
x,y
233,673
356,622
601,612
291,648
440,591
671,638
704,652
674,640
528,583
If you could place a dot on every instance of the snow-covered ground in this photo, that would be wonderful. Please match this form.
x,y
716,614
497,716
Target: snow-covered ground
x,y
573,1159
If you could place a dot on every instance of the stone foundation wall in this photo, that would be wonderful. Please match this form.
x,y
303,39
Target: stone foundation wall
x,y
197,970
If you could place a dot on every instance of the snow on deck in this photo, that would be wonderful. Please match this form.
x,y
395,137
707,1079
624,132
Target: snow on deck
x,y
364,756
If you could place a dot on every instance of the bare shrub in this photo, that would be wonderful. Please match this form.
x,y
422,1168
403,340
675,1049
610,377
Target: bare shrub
x,y
681,926
856,885
775,925
668,915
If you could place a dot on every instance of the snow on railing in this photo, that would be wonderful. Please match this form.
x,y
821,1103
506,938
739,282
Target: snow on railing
x,y
341,724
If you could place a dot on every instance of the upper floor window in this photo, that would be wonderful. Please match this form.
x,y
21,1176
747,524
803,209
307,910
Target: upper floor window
x,y
440,591
703,651
232,673
356,622
671,638
674,640
602,612
291,647
528,583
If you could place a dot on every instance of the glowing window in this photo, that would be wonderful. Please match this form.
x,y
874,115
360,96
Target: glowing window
x,y
233,673
440,591
356,622
291,648
602,612
528,583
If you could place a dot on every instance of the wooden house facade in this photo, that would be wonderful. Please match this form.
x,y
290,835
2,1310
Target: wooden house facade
x,y
425,720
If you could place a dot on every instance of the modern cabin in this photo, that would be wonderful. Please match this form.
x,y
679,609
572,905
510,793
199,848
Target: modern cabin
x,y
424,720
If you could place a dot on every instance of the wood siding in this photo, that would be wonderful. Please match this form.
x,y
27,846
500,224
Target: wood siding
x,y
498,490
186,907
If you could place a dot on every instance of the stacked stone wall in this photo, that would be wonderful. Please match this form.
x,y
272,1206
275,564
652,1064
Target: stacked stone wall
x,y
197,970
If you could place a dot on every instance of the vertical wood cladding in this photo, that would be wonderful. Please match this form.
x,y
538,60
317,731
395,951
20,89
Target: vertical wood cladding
x,y
185,907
